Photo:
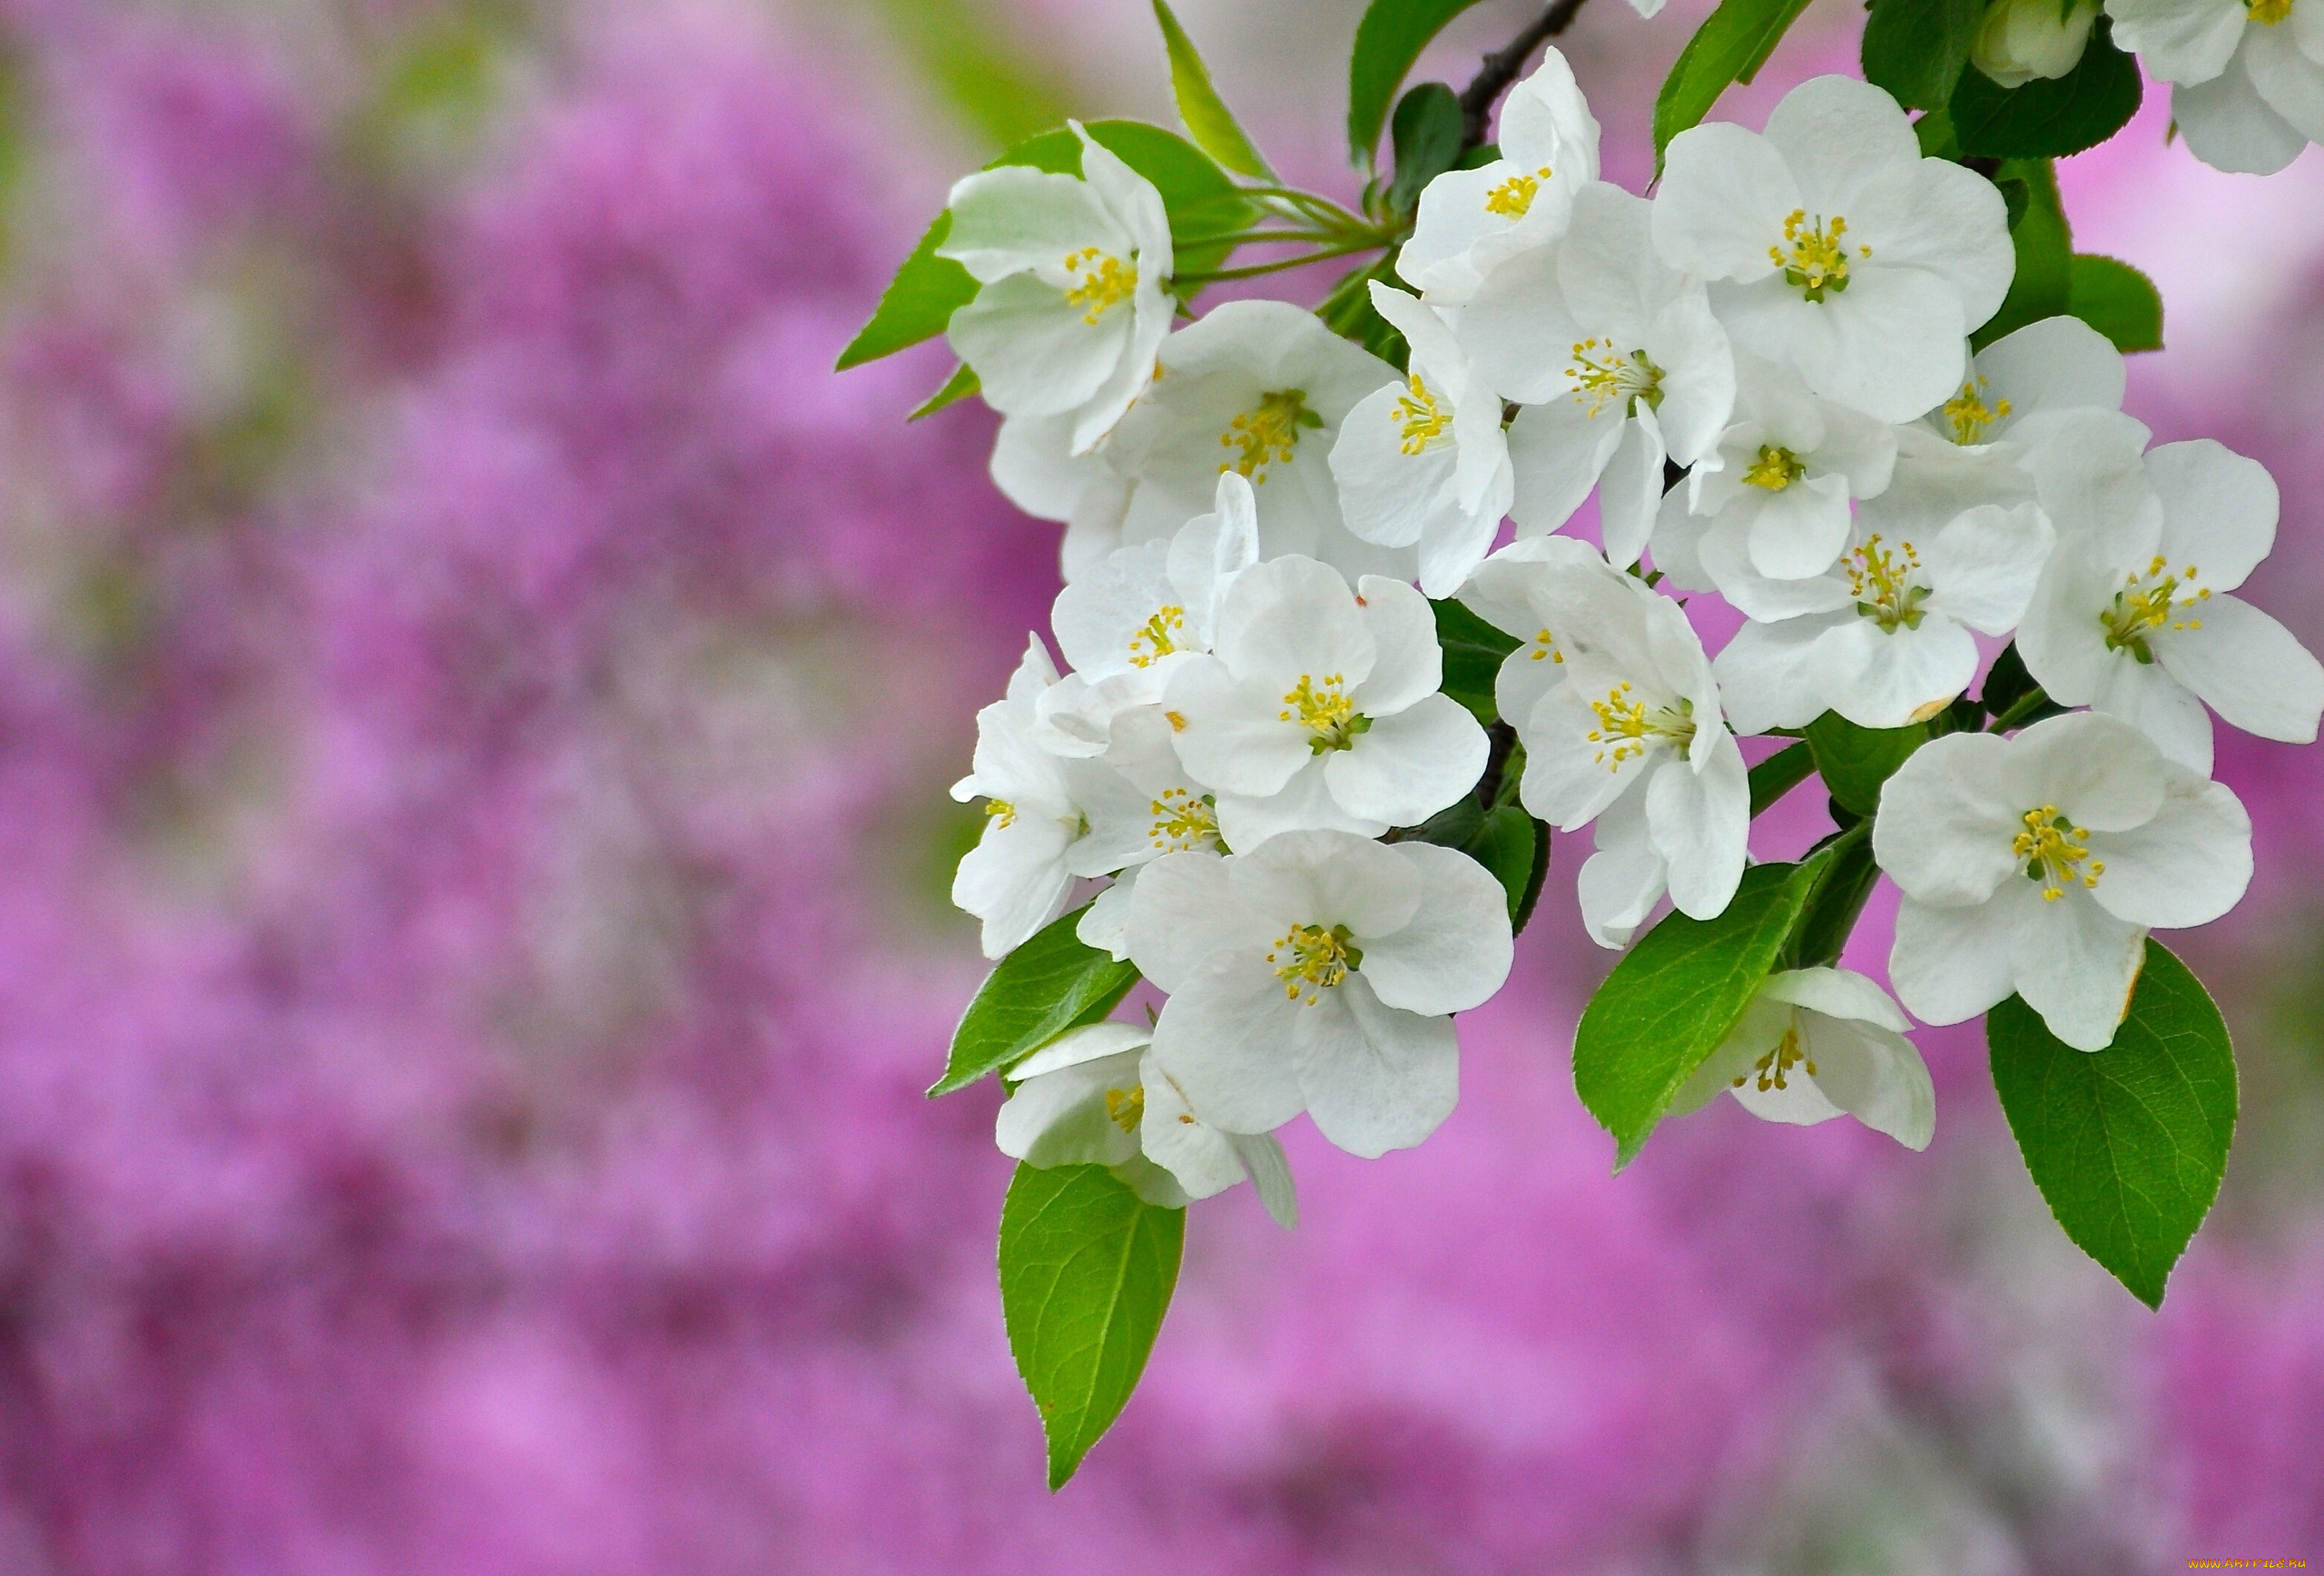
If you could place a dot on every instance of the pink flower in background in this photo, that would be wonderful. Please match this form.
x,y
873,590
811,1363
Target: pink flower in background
x,y
470,958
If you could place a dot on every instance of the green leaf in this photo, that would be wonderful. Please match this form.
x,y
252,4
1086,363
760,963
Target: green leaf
x,y
1855,762
1048,985
1669,1004
2116,299
1505,840
2045,246
1426,135
1933,131
1473,650
1387,40
1212,125
1916,48
1816,940
918,303
1779,774
959,386
2049,118
1087,1269
2128,1144
1730,46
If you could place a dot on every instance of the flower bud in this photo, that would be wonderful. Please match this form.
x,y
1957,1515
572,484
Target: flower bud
x,y
2021,40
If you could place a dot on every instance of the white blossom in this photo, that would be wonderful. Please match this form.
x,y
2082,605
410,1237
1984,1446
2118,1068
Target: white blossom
x,y
2022,41
1814,1044
1618,363
1618,703
2037,865
1424,463
2248,78
1072,305
1096,1096
1035,468
1885,640
1320,707
1259,388
1831,244
1017,877
1317,971
1779,484
1471,220
2134,614
1127,623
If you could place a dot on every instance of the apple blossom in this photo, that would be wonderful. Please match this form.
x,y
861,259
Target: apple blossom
x,y
2248,78
1885,639
1095,1097
1618,363
1317,971
1035,468
1636,710
2022,41
1259,388
1018,876
2036,864
1424,462
1832,244
2133,615
1818,1043
1471,220
1320,707
1072,305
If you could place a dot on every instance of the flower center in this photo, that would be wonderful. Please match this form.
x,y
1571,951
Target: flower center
x,y
1970,415
1182,821
2149,602
1603,375
1881,580
1515,195
2055,850
1002,810
1773,1066
1421,418
1776,468
1126,1107
1269,434
1816,260
2268,12
1153,640
1311,958
1326,711
1101,280
1630,726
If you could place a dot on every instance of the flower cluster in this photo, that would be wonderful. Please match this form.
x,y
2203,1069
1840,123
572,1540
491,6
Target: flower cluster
x,y
1803,376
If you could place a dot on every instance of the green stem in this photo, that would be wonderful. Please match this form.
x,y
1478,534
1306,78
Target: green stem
x,y
1256,270
2025,705
1321,207
1779,774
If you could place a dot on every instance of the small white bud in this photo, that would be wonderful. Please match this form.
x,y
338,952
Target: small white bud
x,y
2021,40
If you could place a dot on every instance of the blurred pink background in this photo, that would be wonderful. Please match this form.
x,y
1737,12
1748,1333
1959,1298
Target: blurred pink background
x,y
476,700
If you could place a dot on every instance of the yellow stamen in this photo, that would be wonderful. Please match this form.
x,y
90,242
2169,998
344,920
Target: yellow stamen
x,y
1126,1107
1631,727
1513,197
2149,602
2268,12
1154,635
1776,468
1773,1066
1002,810
1105,281
1421,418
1183,821
1818,262
1969,413
1544,645
1326,711
1267,435
1881,580
1311,959
2053,849
1603,376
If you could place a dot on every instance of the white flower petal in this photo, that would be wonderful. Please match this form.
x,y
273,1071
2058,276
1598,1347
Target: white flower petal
x,y
1838,994
1631,492
2228,126
1698,814
1261,1156
1408,663
1983,568
2219,509
2187,866
2076,964
1183,911
1388,495
1880,679
2055,364
1896,342
1949,963
1722,200
1873,1074
1328,878
1557,451
1375,1079
1233,735
1411,764
1771,676
1204,1160
1016,218
1800,530
1624,878
2105,776
1034,352
2148,698
2248,668
1225,1040
1305,803
1945,822
2289,82
2180,41
1840,137
1455,951
1059,1118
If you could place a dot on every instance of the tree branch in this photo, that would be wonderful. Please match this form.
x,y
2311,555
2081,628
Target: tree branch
x,y
1501,67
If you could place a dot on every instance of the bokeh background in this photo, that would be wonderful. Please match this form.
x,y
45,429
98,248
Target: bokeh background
x,y
476,699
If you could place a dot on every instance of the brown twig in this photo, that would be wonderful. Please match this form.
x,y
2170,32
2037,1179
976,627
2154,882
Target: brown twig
x,y
1501,67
